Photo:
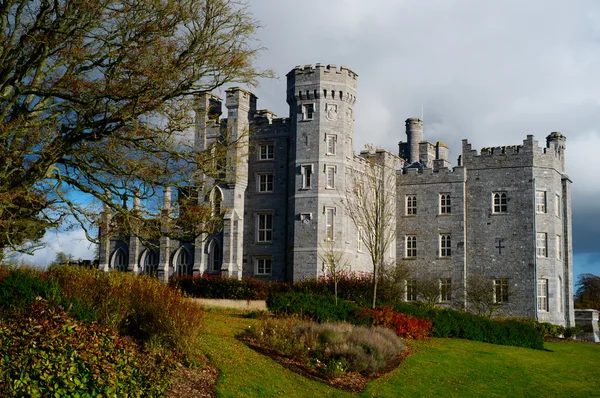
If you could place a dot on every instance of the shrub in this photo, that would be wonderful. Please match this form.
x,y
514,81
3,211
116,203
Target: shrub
x,y
44,352
217,287
404,325
351,286
316,307
19,286
331,349
138,306
452,323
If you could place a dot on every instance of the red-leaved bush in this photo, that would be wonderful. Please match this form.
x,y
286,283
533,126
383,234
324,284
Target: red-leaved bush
x,y
406,326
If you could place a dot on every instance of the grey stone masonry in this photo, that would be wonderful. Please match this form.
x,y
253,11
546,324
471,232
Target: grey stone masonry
x,y
502,213
587,321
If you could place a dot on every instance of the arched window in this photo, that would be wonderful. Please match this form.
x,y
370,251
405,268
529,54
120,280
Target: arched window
x,y
214,256
500,204
119,262
150,263
183,263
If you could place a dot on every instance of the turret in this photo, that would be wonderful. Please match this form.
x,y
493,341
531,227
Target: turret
x,y
321,100
208,110
414,133
556,142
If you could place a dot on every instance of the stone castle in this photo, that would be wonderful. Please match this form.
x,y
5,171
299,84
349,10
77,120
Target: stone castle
x,y
502,213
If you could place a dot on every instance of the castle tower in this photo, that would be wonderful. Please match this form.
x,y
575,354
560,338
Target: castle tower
x,y
557,142
321,100
241,107
414,134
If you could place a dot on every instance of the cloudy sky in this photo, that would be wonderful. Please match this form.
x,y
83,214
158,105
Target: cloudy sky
x,y
489,71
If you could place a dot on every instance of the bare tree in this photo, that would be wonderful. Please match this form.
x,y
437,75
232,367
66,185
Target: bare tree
x,y
392,279
371,205
428,291
95,98
484,298
335,263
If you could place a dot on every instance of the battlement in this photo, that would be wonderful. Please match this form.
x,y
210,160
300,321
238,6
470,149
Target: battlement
x,y
322,70
528,153
408,176
321,82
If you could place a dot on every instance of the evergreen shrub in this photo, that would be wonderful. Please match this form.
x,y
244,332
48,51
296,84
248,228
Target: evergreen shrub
x,y
316,307
452,323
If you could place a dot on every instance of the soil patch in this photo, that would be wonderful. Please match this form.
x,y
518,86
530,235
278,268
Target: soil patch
x,y
195,382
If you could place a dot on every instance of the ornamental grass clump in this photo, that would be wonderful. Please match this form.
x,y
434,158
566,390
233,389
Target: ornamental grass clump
x,y
330,348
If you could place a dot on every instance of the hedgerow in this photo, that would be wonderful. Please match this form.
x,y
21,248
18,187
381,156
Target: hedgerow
x,y
351,286
452,323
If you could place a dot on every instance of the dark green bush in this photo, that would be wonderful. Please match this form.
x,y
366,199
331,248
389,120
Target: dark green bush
x,y
216,287
353,287
20,286
316,307
451,323
44,352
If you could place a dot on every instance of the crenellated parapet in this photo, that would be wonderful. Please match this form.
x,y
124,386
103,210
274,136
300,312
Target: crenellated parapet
x,y
529,153
321,82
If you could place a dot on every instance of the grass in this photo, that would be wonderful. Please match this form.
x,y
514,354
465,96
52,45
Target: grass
x,y
437,367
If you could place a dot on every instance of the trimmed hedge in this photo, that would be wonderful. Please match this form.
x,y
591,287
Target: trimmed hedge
x,y
452,323
446,322
316,307
353,287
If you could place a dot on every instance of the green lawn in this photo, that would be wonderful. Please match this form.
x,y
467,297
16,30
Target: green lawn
x,y
437,367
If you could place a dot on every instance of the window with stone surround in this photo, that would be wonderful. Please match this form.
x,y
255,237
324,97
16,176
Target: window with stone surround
x,y
540,202
330,140
266,151
542,295
263,265
306,170
265,182
359,240
559,294
410,244
264,227
445,290
445,245
500,291
558,247
330,172
308,111
411,205
183,263
445,204
410,290
120,260
541,244
499,202
329,222
557,205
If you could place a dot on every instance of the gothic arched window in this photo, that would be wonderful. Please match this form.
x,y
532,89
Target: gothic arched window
x,y
183,263
214,256
150,263
119,262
